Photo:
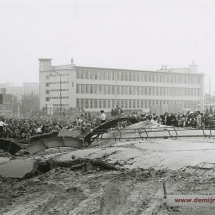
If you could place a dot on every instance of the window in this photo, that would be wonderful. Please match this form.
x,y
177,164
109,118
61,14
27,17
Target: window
x,y
134,76
113,89
130,76
142,77
130,90
138,104
82,74
122,90
138,76
91,103
109,90
118,76
122,104
118,90
47,84
96,75
82,103
134,91
47,76
109,75
113,75
100,103
96,89
92,74
138,90
109,106
86,103
86,74
77,74
104,103
95,103
153,78
100,89
47,91
82,88
47,99
130,104
126,76
91,89
77,103
141,90
122,76
100,75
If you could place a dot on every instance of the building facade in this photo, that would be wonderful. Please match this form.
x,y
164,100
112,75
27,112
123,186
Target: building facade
x,y
104,88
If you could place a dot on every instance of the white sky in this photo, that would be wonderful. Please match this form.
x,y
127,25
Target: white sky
x,y
133,34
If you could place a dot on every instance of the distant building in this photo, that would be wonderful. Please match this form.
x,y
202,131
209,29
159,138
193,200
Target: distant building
x,y
5,102
95,88
26,89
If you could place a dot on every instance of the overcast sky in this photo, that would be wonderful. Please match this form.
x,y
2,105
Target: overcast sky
x,y
115,33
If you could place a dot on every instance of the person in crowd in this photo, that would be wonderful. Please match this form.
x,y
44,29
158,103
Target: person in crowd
x,y
199,121
2,124
103,116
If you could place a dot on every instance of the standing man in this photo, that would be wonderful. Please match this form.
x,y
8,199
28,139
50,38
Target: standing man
x,y
103,116
1,127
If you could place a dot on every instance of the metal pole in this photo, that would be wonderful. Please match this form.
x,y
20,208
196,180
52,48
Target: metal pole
x,y
60,95
209,86
115,89
18,110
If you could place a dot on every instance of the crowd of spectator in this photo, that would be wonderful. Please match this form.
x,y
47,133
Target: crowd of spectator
x,y
25,128
190,119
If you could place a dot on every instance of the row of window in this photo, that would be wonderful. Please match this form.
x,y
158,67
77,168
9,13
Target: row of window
x,y
54,90
51,75
59,90
137,76
62,97
135,90
56,105
62,82
125,103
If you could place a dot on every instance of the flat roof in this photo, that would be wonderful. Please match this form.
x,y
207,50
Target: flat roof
x,y
159,71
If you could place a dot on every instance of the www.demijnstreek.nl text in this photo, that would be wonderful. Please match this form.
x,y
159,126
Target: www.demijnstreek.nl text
x,y
196,200
190,200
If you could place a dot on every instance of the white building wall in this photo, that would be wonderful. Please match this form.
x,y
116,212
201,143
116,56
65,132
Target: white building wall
x,y
177,81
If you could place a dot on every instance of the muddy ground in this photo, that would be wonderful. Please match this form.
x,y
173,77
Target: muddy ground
x,y
62,191
93,188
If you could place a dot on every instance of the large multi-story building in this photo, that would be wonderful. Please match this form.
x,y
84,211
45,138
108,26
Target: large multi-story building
x,y
95,88
26,89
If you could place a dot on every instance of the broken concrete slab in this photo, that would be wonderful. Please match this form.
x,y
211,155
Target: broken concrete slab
x,y
20,168
53,142
17,168
4,159
10,145
156,153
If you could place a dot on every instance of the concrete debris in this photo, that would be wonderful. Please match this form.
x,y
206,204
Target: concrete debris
x,y
23,168
126,178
